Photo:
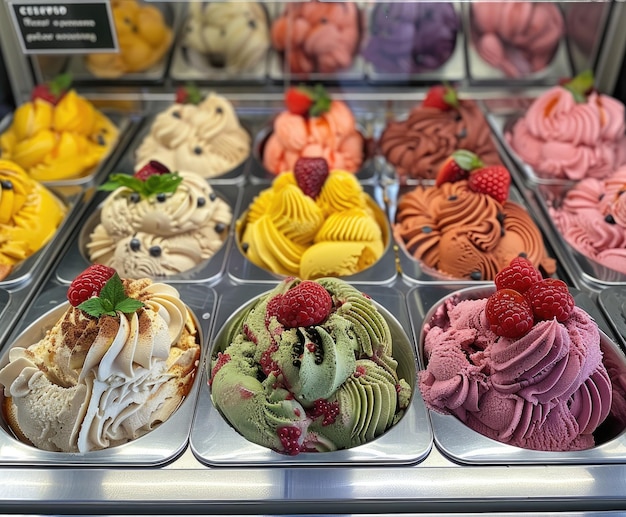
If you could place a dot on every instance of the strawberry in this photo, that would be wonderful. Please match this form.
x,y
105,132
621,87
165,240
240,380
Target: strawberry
x,y
519,275
306,304
310,174
188,94
53,91
493,181
307,102
442,97
509,313
298,101
549,299
457,167
89,283
150,169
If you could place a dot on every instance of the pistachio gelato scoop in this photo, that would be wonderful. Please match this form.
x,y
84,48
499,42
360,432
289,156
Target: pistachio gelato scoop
x,y
309,368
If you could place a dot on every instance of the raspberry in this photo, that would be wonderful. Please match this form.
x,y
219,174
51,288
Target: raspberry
x,y
493,181
519,275
150,169
306,304
289,436
549,299
509,314
310,174
89,283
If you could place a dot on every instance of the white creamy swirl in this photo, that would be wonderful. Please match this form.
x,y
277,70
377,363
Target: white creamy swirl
x,y
92,383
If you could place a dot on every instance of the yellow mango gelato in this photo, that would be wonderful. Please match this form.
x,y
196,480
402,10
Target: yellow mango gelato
x,y
29,216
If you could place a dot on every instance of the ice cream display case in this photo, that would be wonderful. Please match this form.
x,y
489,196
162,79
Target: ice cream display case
x,y
284,289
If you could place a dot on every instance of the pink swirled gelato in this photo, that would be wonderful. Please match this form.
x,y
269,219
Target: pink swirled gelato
x,y
547,390
317,36
518,38
332,135
561,138
592,219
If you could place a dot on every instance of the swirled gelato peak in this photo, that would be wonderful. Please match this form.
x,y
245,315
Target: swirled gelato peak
x,y
198,134
116,364
157,223
465,226
310,368
572,132
523,366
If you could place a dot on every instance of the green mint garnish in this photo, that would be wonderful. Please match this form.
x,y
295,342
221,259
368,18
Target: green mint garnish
x,y
194,95
321,100
155,184
580,85
112,299
60,83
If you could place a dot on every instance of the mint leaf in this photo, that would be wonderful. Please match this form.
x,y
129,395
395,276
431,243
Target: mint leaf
x,y
153,185
112,299
60,83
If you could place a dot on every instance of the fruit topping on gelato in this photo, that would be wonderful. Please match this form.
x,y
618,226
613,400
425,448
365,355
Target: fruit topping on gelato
x,y
306,101
54,90
512,311
188,94
311,174
442,96
309,368
108,371
153,179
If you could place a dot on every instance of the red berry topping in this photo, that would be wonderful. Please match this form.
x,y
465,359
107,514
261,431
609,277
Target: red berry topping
x,y
53,91
298,101
222,359
493,181
509,314
457,167
150,169
550,298
306,304
289,436
442,97
310,174
519,275
329,410
188,95
307,102
89,283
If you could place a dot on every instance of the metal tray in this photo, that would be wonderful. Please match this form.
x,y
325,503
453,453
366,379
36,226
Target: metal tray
x,y
454,69
159,446
482,72
216,443
612,301
594,274
76,258
240,269
466,446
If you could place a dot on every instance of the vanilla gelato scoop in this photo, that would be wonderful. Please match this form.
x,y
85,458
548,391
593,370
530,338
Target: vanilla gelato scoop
x,y
206,138
161,235
98,382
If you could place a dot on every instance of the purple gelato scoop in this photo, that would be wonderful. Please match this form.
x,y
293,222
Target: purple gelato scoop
x,y
409,37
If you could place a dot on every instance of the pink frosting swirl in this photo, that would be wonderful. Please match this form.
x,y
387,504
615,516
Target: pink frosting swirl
x,y
561,138
592,219
547,390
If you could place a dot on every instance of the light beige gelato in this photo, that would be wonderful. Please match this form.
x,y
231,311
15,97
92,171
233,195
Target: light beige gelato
x,y
160,235
93,383
206,138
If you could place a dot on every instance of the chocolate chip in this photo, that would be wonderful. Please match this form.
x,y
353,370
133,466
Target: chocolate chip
x,y
197,150
212,196
476,275
176,114
220,227
523,254
135,245
134,197
452,198
161,197
600,197
610,219
245,246
219,110
155,251
201,201
426,229
252,24
100,140
500,217
297,363
6,185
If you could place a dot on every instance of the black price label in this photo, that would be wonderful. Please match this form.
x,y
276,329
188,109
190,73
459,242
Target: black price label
x,y
64,28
